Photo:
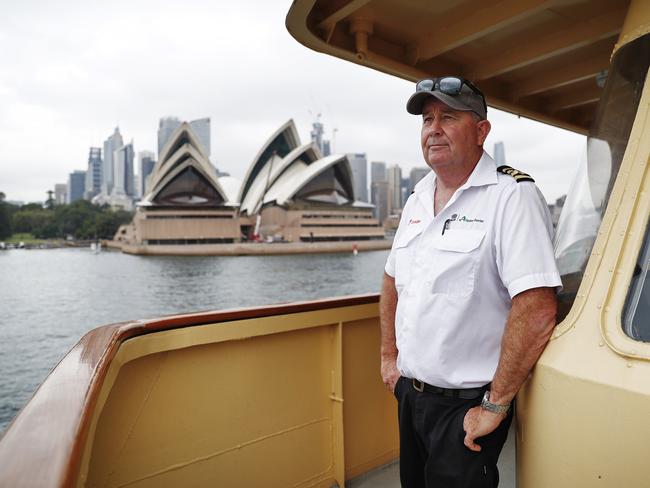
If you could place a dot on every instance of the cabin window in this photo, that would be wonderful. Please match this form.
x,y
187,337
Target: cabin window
x,y
589,193
636,315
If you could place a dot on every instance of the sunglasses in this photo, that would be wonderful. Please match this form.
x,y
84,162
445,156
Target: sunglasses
x,y
449,85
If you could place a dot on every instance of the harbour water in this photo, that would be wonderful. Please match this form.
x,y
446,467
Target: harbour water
x,y
50,298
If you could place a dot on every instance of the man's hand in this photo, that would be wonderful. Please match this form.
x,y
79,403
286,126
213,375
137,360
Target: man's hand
x,y
477,423
389,373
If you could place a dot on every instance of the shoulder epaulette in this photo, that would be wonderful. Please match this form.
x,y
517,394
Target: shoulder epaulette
x,y
515,173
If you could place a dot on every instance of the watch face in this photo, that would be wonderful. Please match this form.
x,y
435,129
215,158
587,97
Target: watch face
x,y
492,407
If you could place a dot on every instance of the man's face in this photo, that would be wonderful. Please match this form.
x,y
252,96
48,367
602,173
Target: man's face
x,y
451,137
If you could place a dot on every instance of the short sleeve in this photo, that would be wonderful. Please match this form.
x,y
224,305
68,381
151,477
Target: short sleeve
x,y
390,264
524,248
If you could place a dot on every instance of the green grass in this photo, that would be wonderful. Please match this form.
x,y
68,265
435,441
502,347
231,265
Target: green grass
x,y
27,238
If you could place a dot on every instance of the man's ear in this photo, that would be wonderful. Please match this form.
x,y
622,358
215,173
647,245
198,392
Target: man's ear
x,y
483,129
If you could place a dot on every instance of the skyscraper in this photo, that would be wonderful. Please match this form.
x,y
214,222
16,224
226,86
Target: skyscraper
x,y
94,173
113,142
60,193
377,171
500,153
166,126
379,190
416,175
147,162
124,181
405,190
76,186
326,148
379,196
359,165
317,132
201,127
394,188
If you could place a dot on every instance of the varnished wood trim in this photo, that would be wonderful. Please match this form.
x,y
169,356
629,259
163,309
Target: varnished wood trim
x,y
44,444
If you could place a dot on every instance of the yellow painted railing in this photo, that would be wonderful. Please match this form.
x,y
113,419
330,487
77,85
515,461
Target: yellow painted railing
x,y
293,399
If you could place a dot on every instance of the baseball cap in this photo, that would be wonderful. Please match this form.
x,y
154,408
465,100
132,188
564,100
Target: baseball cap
x,y
454,91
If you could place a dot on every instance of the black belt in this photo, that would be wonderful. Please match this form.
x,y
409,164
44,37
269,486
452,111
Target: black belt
x,y
463,393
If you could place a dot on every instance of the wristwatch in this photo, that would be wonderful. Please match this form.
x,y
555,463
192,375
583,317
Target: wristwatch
x,y
486,404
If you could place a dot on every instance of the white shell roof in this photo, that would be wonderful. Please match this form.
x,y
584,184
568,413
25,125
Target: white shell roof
x,y
298,175
277,179
191,153
289,132
276,167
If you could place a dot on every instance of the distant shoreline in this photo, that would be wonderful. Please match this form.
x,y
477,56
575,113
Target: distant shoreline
x,y
47,244
251,248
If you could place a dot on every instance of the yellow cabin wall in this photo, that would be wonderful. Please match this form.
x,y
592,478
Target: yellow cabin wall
x,y
582,419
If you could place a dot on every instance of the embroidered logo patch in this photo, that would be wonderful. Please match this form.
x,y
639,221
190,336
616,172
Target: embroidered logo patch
x,y
464,218
414,221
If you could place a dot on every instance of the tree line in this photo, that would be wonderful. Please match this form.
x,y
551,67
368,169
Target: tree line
x,y
80,219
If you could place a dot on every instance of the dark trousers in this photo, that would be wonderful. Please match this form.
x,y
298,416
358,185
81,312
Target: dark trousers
x,y
432,453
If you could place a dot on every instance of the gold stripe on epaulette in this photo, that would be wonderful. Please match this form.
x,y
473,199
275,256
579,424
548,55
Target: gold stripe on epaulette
x,y
519,176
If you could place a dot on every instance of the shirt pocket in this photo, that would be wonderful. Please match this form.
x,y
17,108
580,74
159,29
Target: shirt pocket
x,y
404,255
456,261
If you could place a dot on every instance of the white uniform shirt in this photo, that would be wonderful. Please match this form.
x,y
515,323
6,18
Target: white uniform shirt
x,y
455,287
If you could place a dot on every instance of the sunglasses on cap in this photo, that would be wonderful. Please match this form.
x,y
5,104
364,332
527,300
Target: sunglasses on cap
x,y
449,85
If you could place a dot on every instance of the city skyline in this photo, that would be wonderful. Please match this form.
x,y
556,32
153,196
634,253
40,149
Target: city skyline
x,y
71,94
399,184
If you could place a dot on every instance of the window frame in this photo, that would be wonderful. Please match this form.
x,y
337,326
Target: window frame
x,y
622,237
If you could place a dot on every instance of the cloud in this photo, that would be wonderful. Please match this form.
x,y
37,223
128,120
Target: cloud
x,y
76,69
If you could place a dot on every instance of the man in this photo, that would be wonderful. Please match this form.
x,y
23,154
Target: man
x,y
468,296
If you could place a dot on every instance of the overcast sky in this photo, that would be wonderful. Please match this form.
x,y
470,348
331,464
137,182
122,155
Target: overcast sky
x,y
73,70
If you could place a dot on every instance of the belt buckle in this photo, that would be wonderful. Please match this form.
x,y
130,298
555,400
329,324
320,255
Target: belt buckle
x,y
418,385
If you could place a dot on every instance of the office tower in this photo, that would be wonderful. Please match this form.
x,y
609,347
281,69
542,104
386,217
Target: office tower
x,y
60,193
394,188
317,133
147,162
326,148
379,192
500,153
110,145
76,186
137,185
318,129
94,173
377,171
166,127
379,196
124,183
404,190
201,128
416,175
359,165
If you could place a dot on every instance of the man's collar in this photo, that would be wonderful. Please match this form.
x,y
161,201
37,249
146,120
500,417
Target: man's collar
x,y
425,183
484,173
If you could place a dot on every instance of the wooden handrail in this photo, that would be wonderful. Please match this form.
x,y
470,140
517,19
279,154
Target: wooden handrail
x,y
43,445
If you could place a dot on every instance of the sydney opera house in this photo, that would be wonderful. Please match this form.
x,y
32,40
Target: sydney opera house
x,y
186,202
290,193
